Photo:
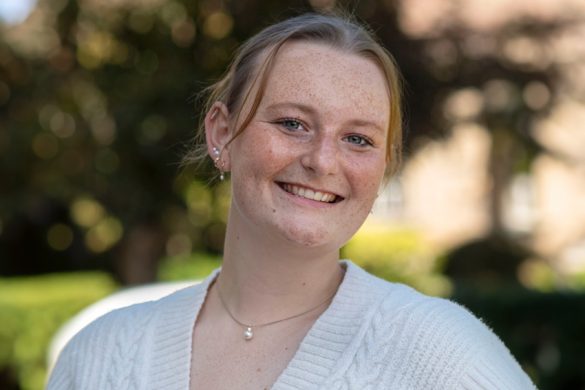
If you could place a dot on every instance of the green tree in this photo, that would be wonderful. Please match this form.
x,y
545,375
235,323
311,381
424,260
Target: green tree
x,y
96,109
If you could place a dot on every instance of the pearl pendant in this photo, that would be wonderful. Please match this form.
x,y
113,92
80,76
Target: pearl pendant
x,y
248,334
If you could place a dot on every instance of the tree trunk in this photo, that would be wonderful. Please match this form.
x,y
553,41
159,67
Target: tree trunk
x,y
501,169
139,254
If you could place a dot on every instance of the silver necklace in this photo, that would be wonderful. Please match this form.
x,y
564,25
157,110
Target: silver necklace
x,y
249,328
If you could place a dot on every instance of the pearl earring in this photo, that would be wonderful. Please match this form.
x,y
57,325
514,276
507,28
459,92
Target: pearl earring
x,y
218,163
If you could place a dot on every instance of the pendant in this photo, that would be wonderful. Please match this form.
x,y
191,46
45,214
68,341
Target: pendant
x,y
248,333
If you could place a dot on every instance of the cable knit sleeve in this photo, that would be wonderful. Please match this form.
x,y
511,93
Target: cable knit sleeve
x,y
444,346
401,339
61,378
491,365
108,353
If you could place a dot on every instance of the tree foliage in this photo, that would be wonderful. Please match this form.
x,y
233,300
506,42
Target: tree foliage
x,y
99,100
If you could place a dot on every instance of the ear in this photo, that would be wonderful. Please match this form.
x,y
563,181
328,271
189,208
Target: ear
x,y
218,134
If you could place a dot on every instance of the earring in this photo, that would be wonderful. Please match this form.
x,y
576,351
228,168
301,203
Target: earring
x,y
218,163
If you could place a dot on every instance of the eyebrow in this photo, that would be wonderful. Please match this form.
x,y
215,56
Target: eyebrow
x,y
299,106
311,111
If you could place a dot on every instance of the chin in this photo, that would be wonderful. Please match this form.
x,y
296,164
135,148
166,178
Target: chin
x,y
314,238
309,239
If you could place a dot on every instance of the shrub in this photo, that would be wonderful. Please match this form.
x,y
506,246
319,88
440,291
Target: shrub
x,y
544,331
195,266
31,311
398,255
33,308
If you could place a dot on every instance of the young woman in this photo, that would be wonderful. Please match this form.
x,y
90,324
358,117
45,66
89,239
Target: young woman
x,y
307,122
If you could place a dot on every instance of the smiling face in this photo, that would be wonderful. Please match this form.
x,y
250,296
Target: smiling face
x,y
308,166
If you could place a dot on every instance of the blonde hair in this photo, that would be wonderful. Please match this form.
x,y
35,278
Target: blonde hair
x,y
255,58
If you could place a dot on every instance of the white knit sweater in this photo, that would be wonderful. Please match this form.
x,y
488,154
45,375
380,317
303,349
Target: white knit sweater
x,y
374,335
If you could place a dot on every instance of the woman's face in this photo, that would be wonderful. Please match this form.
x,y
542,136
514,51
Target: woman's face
x,y
308,167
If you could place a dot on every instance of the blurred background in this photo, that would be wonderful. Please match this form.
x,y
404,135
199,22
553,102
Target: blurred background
x,y
99,101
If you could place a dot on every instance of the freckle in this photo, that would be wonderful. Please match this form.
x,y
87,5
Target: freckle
x,y
304,283
258,369
274,210
286,348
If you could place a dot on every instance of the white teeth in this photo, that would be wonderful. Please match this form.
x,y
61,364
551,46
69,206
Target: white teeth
x,y
309,194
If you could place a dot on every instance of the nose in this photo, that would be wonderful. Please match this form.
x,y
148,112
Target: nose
x,y
322,156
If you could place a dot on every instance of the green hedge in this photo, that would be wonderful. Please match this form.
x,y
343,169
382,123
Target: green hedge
x,y
33,308
544,331
31,311
400,255
195,266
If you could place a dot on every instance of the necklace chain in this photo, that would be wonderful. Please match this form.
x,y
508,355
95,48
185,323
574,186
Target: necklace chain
x,y
248,333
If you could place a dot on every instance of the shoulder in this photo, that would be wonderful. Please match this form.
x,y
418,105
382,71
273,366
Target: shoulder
x,y
433,315
118,337
445,341
396,305
134,316
418,341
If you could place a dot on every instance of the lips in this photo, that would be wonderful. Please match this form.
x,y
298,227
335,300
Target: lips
x,y
308,193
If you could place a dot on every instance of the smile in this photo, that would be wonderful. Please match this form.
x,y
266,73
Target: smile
x,y
307,193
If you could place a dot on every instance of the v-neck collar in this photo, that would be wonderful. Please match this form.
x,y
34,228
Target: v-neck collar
x,y
338,328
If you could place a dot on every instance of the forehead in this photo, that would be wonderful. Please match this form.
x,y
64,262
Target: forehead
x,y
329,79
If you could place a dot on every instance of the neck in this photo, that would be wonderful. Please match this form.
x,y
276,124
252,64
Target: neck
x,y
264,279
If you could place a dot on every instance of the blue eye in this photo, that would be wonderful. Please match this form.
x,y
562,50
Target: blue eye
x,y
291,124
358,140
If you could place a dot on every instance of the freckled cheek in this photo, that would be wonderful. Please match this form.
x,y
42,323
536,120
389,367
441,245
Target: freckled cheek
x,y
365,187
257,158
366,176
267,166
